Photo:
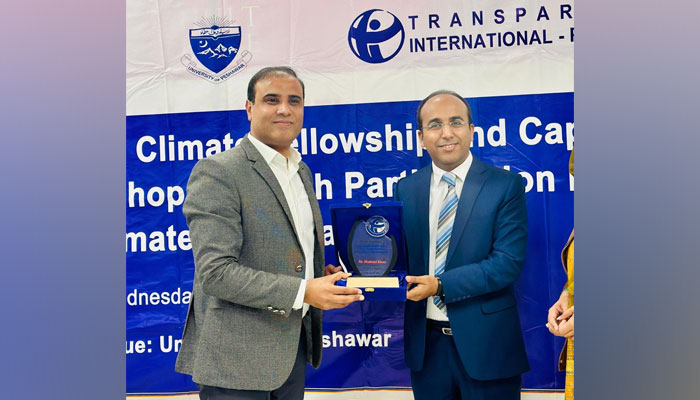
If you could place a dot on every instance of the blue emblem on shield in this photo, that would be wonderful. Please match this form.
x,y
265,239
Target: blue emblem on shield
x,y
377,226
215,47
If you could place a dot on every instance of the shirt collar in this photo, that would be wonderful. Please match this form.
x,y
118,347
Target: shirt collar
x,y
460,171
271,155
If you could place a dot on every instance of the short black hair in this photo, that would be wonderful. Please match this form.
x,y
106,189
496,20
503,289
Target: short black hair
x,y
439,92
267,71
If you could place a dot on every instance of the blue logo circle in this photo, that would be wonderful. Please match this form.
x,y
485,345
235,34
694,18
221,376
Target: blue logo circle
x,y
377,226
376,36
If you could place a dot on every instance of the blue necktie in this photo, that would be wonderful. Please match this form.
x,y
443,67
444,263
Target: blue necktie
x,y
446,220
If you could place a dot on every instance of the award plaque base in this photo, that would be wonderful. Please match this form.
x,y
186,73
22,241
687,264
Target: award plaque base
x,y
384,288
373,282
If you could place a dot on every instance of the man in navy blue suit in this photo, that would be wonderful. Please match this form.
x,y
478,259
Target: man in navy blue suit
x,y
466,232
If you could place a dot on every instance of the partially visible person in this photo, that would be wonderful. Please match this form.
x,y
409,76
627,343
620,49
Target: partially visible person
x,y
465,224
560,319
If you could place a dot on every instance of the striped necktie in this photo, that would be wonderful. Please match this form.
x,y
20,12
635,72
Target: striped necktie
x,y
444,230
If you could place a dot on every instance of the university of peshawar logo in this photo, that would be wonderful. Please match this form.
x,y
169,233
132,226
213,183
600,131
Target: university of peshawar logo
x,y
215,44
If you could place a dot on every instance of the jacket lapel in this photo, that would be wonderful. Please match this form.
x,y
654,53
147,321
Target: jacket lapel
x,y
423,203
470,191
261,167
305,175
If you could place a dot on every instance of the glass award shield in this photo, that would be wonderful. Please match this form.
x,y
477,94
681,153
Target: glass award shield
x,y
369,243
371,250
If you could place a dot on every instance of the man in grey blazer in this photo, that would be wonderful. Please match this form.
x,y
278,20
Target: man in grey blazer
x,y
257,237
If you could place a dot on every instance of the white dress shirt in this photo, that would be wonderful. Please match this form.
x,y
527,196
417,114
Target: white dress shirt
x,y
438,191
285,171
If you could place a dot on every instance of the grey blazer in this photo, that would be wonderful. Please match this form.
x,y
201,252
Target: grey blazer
x,y
241,332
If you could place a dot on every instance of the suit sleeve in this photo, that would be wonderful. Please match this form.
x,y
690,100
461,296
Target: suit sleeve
x,y
213,212
501,267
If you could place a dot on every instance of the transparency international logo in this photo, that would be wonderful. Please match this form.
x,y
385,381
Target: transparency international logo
x,y
377,226
376,36
215,44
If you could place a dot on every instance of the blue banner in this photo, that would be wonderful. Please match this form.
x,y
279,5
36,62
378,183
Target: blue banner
x,y
356,153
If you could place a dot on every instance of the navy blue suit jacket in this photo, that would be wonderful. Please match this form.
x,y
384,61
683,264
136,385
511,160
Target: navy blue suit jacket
x,y
485,256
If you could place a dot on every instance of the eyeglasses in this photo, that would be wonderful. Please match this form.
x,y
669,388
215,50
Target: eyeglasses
x,y
437,126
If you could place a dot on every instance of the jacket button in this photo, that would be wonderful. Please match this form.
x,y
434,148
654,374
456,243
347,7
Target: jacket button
x,y
298,268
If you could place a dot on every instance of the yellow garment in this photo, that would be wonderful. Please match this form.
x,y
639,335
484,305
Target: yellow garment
x,y
571,162
569,385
